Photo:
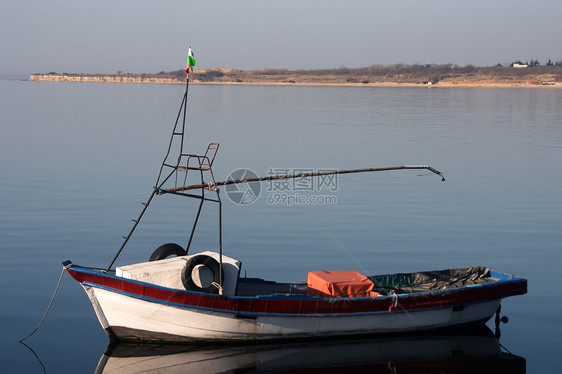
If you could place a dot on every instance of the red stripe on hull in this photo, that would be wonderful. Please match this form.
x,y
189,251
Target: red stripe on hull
x,y
298,306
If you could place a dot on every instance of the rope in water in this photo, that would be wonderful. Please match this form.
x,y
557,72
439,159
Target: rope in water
x,y
48,307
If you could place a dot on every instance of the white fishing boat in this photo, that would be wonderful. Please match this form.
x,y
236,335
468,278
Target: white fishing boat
x,y
203,297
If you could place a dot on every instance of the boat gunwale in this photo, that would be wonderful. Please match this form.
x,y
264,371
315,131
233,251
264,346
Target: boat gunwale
x,y
384,304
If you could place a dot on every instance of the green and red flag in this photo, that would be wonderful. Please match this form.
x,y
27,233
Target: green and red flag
x,y
190,61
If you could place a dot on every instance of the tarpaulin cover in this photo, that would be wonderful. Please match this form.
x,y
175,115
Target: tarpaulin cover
x,y
431,280
338,284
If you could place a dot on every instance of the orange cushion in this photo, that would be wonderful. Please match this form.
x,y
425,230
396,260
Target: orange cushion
x,y
338,284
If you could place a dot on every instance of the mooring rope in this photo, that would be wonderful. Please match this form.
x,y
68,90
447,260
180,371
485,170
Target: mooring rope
x,y
36,356
50,303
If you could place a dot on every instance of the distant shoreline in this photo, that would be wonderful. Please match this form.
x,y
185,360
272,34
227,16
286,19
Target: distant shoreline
x,y
543,77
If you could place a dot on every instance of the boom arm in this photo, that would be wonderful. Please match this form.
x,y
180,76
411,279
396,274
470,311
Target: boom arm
x,y
213,186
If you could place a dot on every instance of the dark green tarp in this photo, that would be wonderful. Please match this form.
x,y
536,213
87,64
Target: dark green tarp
x,y
430,280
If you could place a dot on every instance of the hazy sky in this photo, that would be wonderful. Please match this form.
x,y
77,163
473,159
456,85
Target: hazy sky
x,y
149,36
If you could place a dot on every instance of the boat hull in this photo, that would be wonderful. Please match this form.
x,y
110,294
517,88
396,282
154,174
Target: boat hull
x,y
148,321
135,311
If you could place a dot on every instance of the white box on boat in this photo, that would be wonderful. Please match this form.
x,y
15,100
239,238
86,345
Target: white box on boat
x,y
167,272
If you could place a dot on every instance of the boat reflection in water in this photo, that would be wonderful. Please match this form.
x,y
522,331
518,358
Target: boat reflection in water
x,y
474,350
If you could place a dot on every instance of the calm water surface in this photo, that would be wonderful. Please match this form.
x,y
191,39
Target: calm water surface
x,y
76,161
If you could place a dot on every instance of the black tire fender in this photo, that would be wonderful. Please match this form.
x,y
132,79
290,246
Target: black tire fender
x,y
207,261
167,250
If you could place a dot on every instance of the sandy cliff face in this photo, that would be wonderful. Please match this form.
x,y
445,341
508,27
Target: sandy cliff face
x,y
259,77
100,78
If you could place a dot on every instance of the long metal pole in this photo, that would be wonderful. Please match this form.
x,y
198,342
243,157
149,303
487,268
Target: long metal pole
x,y
302,175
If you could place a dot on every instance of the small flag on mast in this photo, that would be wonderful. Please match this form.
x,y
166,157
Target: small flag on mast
x,y
190,61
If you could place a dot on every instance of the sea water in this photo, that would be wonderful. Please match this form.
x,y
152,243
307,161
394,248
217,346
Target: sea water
x,y
77,160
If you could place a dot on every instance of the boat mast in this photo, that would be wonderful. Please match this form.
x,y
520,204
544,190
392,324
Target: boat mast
x,y
177,132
